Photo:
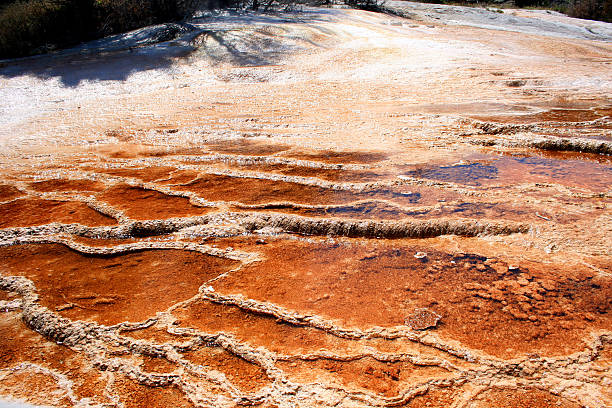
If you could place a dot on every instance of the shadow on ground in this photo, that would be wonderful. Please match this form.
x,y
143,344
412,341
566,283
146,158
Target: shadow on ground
x,y
243,39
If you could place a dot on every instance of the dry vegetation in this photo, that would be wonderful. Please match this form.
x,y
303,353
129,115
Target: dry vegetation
x,y
35,26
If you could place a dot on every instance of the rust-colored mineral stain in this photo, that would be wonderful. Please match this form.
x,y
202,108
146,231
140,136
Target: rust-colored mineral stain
x,y
435,397
142,204
35,388
247,376
260,330
365,374
135,395
19,344
146,174
67,185
111,289
337,175
333,174
263,191
563,115
248,147
520,398
30,212
180,177
384,282
157,365
8,192
575,156
134,151
378,210
333,156
257,191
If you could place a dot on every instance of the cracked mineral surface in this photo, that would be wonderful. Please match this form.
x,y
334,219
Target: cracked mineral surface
x,y
326,208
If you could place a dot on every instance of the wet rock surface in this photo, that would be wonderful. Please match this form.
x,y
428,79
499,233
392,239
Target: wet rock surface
x,y
326,208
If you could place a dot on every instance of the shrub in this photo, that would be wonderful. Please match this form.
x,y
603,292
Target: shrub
x,y
35,26
369,5
115,16
591,9
28,27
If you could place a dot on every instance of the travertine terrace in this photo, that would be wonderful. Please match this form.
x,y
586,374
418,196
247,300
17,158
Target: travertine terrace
x,y
320,208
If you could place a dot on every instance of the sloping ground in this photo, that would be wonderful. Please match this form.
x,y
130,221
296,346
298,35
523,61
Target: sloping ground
x,y
326,208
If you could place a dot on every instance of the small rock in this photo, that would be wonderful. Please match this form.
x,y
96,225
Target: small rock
x,y
522,281
260,242
369,256
65,306
513,268
548,285
420,255
422,319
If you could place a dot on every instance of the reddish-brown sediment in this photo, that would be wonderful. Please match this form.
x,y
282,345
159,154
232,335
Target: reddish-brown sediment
x,y
19,344
287,339
145,174
157,365
436,397
385,211
243,374
541,308
111,289
27,212
31,386
180,177
365,374
520,398
67,185
248,148
333,174
332,156
262,191
142,204
132,394
336,175
9,192
260,330
132,151
555,115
